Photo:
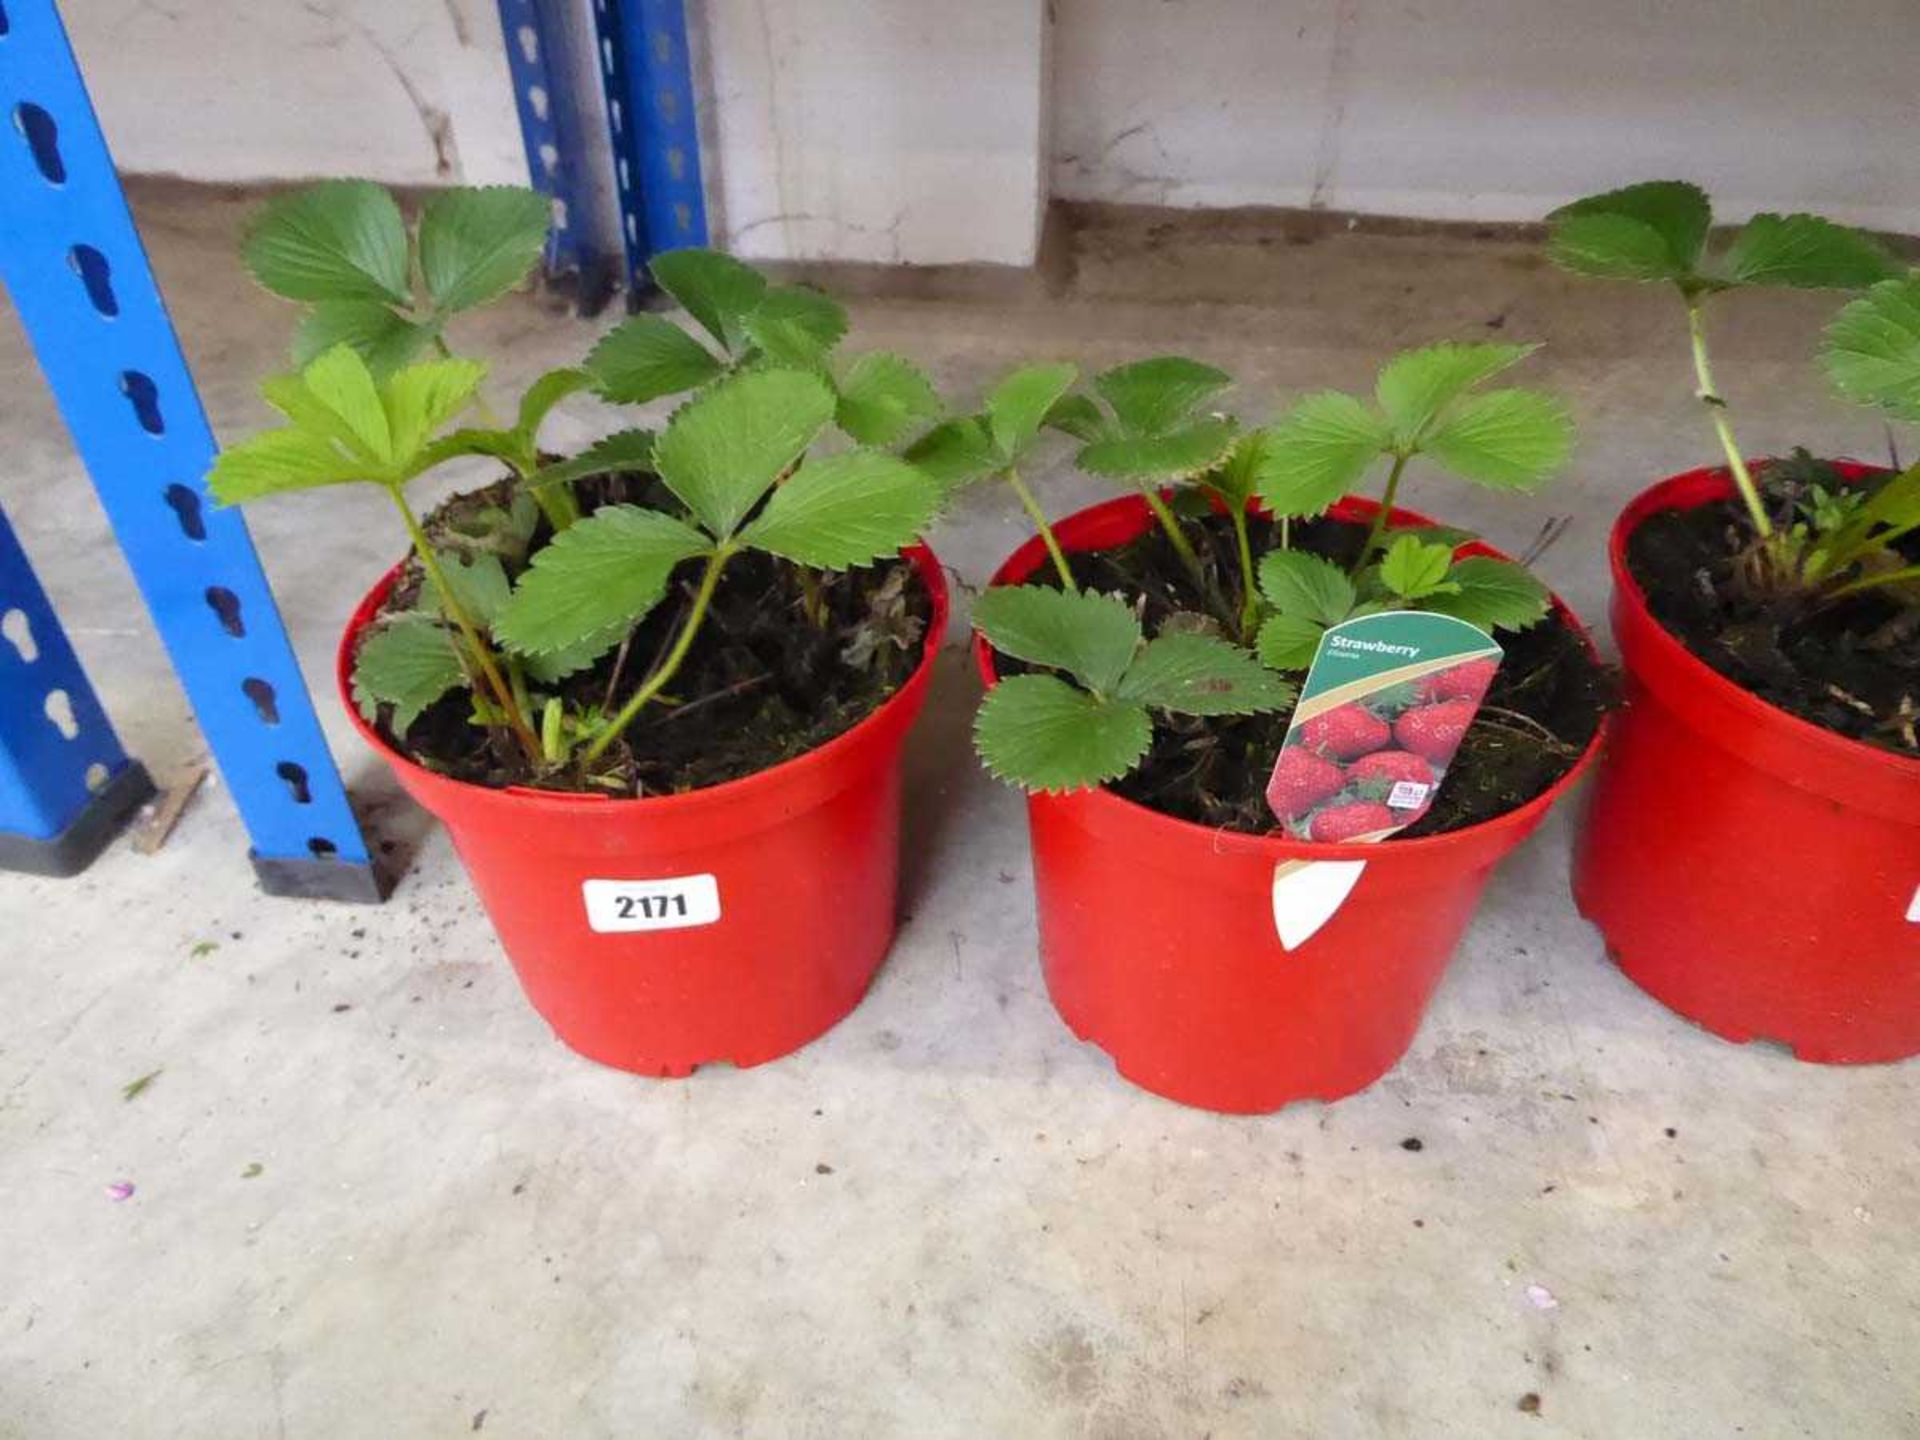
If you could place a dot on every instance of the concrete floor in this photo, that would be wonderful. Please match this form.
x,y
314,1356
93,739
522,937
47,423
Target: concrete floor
x,y
376,1199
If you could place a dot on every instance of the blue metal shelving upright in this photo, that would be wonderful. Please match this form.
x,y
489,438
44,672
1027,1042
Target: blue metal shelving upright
x,y
78,276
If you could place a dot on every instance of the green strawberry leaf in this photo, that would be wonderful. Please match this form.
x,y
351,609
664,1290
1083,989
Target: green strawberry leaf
x,y
545,393
1493,594
1414,569
1237,478
279,461
1042,734
423,397
1288,642
1318,451
1150,397
407,662
384,339
477,243
1872,350
1092,637
795,326
336,396
1199,675
1651,231
647,356
724,448
956,453
337,240
1809,253
1172,455
1503,439
1018,406
843,510
1078,416
595,581
716,290
1415,386
882,397
623,452
478,582
1306,586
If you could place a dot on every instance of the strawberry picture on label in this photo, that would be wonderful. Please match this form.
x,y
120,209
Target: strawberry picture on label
x,y
1384,708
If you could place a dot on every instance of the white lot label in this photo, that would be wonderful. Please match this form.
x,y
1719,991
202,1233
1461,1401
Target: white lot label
x,y
1407,795
672,904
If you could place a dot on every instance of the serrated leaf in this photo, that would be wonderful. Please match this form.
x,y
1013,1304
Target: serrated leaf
x,y
337,240
1493,594
1078,416
1174,455
337,395
1199,675
595,580
717,290
1042,734
843,510
1612,247
1299,583
726,446
1872,350
955,453
1506,439
882,397
1808,253
385,339
618,453
1288,642
1318,451
1238,476
1412,568
1092,637
1152,396
408,663
1415,386
478,582
1655,230
647,356
477,243
276,461
545,393
423,397
1018,406
793,325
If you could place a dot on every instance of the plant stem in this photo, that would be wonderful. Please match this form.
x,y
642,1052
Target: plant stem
x,y
812,598
556,502
1039,518
1175,536
1249,587
1717,407
1377,530
479,652
656,682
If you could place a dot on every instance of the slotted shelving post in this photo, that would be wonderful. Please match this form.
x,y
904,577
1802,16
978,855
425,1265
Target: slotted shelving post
x,y
66,786
647,73
78,276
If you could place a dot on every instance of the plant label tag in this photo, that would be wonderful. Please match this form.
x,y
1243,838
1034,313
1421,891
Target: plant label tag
x,y
618,906
1384,707
1307,893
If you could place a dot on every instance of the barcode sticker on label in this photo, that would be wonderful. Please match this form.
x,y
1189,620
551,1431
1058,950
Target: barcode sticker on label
x,y
1408,795
676,903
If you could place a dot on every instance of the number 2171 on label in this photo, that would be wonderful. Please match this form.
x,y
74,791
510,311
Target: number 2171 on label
x,y
676,903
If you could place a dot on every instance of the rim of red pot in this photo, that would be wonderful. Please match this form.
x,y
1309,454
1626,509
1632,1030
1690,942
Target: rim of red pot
x,y
1686,491
926,566
1101,526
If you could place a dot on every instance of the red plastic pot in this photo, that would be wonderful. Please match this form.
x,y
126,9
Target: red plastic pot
x,y
767,902
1752,871
1160,939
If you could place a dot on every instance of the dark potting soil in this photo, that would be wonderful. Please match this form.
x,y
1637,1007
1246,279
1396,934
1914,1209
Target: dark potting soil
x,y
1852,667
1544,706
762,684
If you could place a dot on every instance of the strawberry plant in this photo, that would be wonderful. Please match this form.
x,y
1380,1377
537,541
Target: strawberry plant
x,y
521,595
1660,232
1427,403
1151,425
